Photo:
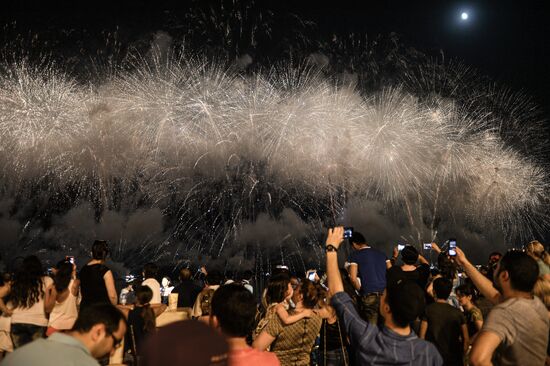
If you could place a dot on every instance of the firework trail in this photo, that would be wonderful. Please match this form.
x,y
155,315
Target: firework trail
x,y
212,150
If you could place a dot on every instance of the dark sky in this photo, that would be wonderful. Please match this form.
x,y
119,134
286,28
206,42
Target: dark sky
x,y
504,39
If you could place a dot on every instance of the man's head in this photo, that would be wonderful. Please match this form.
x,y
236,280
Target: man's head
x,y
233,310
101,327
358,240
185,274
402,303
409,255
214,278
516,271
442,288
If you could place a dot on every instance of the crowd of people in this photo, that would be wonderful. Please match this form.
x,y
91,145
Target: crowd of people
x,y
374,310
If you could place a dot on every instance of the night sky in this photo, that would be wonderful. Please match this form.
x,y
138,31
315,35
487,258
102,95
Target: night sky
x,y
504,39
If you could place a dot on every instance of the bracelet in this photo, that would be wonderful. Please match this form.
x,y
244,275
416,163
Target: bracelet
x,y
331,248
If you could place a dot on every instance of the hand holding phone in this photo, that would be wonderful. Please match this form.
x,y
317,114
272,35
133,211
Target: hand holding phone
x,y
452,247
348,232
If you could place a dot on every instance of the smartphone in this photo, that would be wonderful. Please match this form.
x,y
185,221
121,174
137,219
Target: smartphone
x,y
311,276
400,247
70,258
452,247
427,246
348,232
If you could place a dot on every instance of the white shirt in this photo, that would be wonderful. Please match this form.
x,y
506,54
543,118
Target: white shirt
x,y
155,286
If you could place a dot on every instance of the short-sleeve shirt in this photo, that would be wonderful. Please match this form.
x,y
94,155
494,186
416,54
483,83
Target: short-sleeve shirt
x,y
444,330
154,285
420,275
372,269
92,285
59,349
35,314
293,342
522,325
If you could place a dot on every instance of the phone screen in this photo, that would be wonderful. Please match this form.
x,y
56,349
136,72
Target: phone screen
x,y
400,247
452,247
348,232
427,245
70,258
311,276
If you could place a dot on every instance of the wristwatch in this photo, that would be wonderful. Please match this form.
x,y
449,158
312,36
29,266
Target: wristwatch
x,y
331,248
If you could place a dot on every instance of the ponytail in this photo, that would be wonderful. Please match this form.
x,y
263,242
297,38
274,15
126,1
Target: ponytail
x,y
149,318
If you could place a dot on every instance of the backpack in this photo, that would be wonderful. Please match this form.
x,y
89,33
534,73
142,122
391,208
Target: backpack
x,y
206,299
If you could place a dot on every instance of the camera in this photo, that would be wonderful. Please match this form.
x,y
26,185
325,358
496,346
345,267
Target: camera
x,y
452,247
348,232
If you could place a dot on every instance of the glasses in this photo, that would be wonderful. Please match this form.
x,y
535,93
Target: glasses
x,y
116,342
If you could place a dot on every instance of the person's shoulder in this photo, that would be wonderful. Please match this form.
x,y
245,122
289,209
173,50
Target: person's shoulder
x,y
253,357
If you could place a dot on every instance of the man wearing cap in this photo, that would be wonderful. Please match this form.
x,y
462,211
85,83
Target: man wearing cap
x,y
395,343
368,275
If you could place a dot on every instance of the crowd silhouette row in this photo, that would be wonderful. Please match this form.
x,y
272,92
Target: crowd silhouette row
x,y
373,310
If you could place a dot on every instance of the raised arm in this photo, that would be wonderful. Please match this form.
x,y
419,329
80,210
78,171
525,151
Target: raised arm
x,y
289,319
335,284
483,284
357,329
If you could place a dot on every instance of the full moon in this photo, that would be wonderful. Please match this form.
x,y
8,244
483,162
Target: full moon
x,y
464,16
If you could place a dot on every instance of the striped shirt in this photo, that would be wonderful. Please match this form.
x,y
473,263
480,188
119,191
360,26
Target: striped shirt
x,y
382,347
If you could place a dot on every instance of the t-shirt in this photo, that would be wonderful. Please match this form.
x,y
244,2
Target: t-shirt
x,y
92,285
444,330
372,269
472,315
522,325
420,275
293,342
35,314
59,349
187,293
155,286
251,356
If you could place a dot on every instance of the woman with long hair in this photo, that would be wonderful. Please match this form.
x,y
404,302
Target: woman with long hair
x,y
141,320
64,295
96,279
27,299
293,343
